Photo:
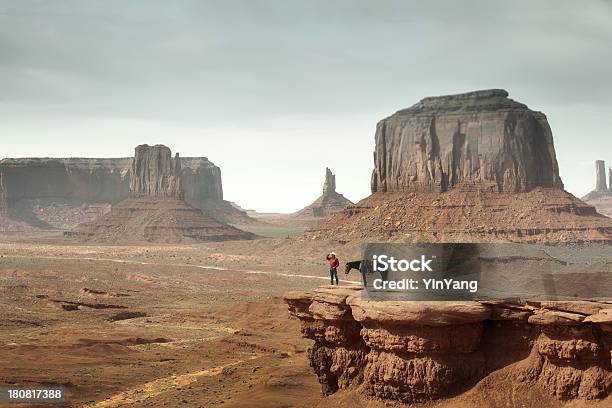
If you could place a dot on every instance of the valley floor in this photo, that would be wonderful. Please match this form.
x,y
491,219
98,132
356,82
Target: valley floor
x,y
154,326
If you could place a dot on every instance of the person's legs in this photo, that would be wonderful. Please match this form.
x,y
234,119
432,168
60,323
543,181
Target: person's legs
x,y
333,273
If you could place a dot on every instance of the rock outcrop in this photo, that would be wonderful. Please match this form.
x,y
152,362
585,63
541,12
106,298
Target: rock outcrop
x,y
475,167
3,201
600,176
64,192
422,351
481,140
155,210
155,174
601,197
330,202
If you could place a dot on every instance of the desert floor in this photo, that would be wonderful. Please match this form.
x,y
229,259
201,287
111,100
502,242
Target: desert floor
x,y
182,326
155,326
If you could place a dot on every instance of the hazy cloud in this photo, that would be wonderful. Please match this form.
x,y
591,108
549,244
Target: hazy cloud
x,y
273,91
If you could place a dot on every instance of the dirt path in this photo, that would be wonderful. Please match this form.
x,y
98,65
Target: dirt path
x,y
183,265
159,386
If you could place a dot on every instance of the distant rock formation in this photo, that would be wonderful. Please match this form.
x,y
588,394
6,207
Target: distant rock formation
x,y
600,176
601,197
479,139
155,210
3,202
155,173
419,351
473,167
329,186
65,192
330,202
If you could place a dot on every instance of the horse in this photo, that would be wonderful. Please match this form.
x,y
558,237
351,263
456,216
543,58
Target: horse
x,y
363,266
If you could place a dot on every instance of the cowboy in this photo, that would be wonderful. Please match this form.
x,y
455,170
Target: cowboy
x,y
334,263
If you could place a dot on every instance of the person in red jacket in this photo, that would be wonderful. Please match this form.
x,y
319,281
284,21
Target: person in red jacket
x,y
334,263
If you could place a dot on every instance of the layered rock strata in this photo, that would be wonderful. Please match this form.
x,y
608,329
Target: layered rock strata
x,y
155,211
421,351
69,189
539,216
476,140
330,202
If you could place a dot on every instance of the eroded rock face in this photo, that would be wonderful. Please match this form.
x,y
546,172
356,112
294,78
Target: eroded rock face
x,y
600,176
65,185
420,351
155,173
478,140
79,179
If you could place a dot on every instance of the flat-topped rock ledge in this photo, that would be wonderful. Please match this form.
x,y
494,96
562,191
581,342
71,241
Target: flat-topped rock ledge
x,y
422,351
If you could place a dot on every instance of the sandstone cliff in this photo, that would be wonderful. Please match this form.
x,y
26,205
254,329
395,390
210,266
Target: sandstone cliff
x,y
155,210
66,191
155,173
478,140
422,351
80,179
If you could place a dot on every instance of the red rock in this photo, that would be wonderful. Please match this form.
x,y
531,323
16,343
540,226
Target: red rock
x,y
480,139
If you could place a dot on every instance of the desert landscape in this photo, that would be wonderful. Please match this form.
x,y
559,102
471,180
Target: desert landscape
x,y
189,325
302,204
159,302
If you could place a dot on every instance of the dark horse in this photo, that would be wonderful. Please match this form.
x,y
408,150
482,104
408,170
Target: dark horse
x,y
365,267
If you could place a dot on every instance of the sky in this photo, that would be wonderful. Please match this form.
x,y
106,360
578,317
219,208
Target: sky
x,y
274,91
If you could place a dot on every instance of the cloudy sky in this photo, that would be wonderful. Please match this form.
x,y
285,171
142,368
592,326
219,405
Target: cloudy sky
x,y
274,91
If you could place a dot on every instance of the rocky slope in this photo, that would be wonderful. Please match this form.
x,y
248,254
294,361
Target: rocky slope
x,y
422,351
330,202
155,211
541,215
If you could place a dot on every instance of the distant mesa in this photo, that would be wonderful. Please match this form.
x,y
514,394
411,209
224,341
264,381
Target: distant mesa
x,y
330,202
601,197
473,167
60,193
155,210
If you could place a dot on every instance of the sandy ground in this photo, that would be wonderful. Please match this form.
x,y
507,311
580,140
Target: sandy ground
x,y
179,326
193,326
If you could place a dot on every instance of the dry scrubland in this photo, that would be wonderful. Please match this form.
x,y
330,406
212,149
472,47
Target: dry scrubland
x,y
158,325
